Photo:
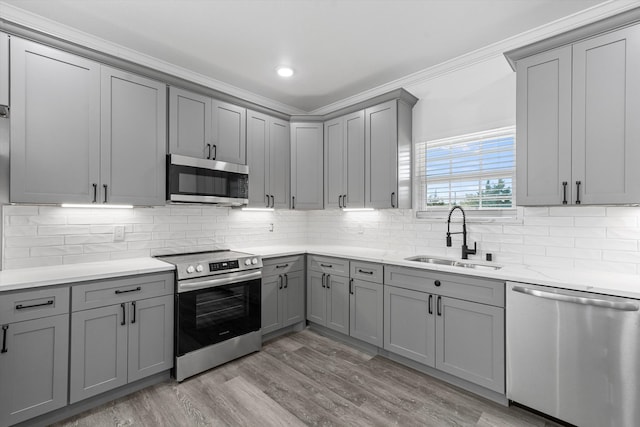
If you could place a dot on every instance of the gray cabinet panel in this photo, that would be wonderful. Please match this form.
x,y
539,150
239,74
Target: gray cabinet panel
x,y
409,329
470,342
366,311
282,265
33,304
258,158
316,298
354,141
544,128
228,132
133,139
329,265
271,310
293,298
98,351
381,139
45,81
34,369
150,337
334,164
4,69
337,303
189,123
369,271
306,166
606,105
279,163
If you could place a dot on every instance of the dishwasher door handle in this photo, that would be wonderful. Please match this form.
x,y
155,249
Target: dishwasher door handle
x,y
622,306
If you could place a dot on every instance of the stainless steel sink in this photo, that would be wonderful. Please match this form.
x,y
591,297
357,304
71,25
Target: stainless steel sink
x,y
452,263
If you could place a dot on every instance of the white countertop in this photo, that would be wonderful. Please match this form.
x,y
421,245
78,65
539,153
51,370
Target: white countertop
x,y
28,278
624,285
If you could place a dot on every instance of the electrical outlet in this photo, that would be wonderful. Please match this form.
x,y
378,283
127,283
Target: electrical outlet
x,y
271,227
118,233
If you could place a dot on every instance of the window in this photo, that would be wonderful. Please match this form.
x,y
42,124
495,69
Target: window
x,y
475,171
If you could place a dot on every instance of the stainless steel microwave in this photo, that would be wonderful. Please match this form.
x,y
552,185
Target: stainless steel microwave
x,y
194,180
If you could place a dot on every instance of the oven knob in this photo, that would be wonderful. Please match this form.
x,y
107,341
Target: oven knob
x,y
247,261
199,268
190,269
254,261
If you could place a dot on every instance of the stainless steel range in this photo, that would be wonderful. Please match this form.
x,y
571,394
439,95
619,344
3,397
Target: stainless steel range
x,y
217,308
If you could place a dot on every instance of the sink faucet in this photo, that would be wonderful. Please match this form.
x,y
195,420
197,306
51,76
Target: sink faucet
x,y
465,250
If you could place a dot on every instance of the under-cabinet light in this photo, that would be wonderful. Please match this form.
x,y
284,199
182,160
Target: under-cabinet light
x,y
357,209
257,209
97,206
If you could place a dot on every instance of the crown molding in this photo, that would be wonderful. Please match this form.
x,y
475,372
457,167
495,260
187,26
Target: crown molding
x,y
14,17
554,28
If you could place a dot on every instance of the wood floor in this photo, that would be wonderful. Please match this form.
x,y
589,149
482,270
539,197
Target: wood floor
x,y
306,379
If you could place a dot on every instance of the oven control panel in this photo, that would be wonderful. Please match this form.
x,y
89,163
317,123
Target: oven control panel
x,y
223,265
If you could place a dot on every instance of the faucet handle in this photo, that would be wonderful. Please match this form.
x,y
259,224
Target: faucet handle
x,y
448,239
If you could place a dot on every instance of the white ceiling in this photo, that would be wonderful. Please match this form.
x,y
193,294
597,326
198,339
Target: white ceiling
x,y
338,48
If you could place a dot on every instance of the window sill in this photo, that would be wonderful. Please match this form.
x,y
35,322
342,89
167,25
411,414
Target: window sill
x,y
509,216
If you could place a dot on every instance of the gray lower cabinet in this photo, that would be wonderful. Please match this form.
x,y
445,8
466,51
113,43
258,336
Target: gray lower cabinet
x,y
366,311
283,292
128,338
306,166
328,293
34,358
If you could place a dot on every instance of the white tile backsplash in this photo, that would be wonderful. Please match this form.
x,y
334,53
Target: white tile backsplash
x,y
603,238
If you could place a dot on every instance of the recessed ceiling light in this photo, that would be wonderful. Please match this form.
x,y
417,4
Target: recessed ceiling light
x,y
284,71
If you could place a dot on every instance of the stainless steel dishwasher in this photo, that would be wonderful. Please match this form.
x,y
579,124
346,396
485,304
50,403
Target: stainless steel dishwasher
x,y
574,355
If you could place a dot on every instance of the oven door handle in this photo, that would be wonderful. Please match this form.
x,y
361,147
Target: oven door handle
x,y
229,279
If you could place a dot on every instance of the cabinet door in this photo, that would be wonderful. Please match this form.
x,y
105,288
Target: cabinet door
x,y
189,123
258,158
409,324
470,342
338,303
306,166
316,298
334,164
381,162
279,163
366,310
544,128
293,298
150,337
228,129
354,160
134,141
606,107
34,368
55,125
98,351
4,69
271,310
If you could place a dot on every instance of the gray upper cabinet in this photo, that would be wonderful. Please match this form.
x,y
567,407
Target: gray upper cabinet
x,y
111,138
306,166
55,157
388,155
576,129
206,128
229,143
4,70
344,157
133,139
189,123
268,158
35,353
544,128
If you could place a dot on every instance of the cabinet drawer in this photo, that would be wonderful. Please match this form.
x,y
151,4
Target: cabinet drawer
x,y
477,289
368,271
27,305
115,291
337,266
282,265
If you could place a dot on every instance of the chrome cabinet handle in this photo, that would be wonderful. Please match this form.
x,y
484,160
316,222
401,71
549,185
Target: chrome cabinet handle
x,y
4,339
393,196
351,286
293,202
564,192
328,281
578,192
95,193
597,302
439,305
430,304
133,305
340,201
124,315
209,151
323,277
105,192
344,200
286,281
279,281
215,152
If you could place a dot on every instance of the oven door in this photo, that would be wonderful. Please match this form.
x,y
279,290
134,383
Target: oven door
x,y
206,181
210,314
